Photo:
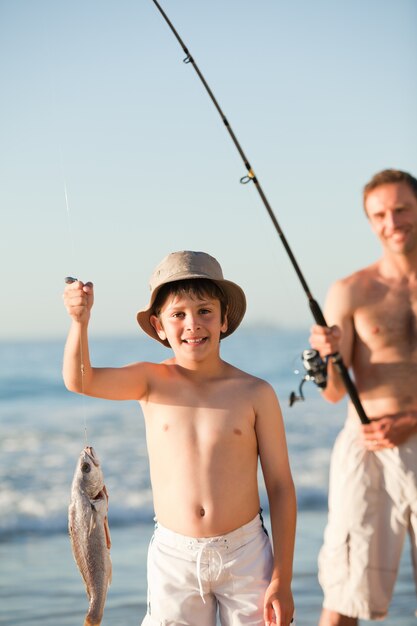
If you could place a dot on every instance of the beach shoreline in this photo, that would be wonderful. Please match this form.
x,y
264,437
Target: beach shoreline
x,y
42,585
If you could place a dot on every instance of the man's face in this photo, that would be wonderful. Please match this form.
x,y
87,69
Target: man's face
x,y
392,212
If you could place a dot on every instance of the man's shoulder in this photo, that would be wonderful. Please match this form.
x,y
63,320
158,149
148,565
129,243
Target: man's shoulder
x,y
348,294
363,278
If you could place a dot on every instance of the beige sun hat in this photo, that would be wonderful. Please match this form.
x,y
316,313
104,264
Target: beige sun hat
x,y
183,266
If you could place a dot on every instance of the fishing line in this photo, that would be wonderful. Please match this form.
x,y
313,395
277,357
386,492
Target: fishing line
x,y
69,224
316,311
72,249
69,280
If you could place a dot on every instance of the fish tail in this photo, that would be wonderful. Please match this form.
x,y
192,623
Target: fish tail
x,y
91,621
95,612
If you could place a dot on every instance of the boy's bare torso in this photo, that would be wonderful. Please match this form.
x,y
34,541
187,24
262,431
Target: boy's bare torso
x,y
202,448
385,341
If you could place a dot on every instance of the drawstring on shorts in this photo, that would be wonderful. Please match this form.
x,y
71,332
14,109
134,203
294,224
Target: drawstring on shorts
x,y
209,551
203,547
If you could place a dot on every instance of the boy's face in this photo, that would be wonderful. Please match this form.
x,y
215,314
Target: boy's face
x,y
191,324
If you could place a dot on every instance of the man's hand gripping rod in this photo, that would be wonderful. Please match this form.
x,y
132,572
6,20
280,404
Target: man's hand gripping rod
x,y
314,307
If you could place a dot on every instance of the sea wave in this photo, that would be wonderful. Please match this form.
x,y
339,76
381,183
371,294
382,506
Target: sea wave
x,y
43,428
28,515
41,518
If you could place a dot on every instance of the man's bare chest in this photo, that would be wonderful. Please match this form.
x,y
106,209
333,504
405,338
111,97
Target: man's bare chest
x,y
389,321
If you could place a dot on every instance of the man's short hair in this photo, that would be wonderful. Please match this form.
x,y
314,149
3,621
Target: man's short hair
x,y
390,176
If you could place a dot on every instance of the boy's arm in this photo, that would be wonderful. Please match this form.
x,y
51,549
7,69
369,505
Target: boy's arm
x,y
338,338
278,603
124,383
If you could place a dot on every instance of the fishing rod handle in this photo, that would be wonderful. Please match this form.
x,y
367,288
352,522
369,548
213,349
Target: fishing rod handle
x,y
316,311
337,360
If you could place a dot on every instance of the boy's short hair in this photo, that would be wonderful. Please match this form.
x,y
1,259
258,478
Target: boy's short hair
x,y
194,287
188,267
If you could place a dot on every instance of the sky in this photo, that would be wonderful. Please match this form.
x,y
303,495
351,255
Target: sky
x,y
112,154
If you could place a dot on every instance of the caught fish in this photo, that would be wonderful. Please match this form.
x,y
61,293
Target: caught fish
x,y
89,532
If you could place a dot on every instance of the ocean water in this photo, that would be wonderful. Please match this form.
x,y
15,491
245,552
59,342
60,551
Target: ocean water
x,y
43,428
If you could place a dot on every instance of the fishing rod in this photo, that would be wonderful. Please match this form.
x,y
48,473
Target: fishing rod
x,y
316,311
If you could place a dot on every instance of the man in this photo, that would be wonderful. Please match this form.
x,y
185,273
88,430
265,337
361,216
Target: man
x,y
373,478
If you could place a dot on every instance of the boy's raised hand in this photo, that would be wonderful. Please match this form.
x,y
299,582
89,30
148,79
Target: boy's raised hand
x,y
78,299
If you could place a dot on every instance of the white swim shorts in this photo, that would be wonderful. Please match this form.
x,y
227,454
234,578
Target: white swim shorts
x,y
189,578
372,506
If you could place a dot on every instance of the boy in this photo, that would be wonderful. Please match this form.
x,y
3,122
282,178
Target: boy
x,y
206,423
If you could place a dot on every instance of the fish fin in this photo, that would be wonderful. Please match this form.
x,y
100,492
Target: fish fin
x,y
110,574
107,532
92,524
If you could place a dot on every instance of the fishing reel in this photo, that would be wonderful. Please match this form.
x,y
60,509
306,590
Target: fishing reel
x,y
316,370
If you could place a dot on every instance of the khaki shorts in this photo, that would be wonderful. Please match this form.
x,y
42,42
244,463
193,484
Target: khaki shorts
x,y
372,506
189,578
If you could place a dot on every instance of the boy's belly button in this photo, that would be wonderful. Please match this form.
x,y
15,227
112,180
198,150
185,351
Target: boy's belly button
x,y
202,512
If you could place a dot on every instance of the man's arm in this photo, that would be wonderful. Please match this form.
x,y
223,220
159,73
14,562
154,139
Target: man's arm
x,y
338,337
124,383
282,505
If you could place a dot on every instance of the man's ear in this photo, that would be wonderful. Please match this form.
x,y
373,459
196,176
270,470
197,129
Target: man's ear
x,y
156,323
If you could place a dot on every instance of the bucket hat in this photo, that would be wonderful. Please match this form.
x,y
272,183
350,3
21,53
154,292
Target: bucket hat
x,y
187,265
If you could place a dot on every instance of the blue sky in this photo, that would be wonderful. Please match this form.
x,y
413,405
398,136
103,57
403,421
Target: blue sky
x,y
95,99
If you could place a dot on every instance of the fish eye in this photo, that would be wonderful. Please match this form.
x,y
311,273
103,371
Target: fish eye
x,y
85,468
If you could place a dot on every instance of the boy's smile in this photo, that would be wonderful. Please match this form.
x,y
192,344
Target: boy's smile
x,y
195,342
190,323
